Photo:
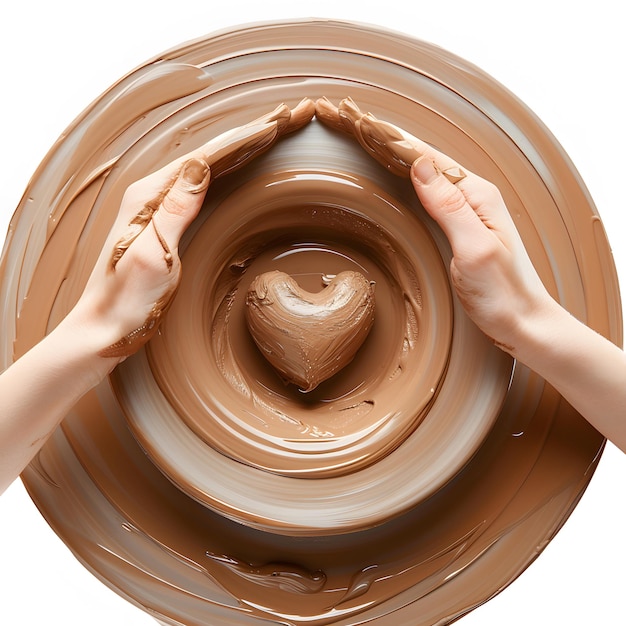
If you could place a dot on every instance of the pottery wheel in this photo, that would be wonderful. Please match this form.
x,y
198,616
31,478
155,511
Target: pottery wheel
x,y
410,489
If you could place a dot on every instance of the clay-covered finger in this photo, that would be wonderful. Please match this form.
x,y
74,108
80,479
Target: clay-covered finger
x,y
327,113
301,115
397,149
281,115
349,113
288,120
394,148
233,149
384,142
342,117
236,147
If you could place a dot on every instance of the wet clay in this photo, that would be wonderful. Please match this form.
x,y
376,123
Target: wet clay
x,y
392,147
409,488
224,154
308,337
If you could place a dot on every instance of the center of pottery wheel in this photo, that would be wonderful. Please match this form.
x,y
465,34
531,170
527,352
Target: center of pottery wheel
x,y
309,337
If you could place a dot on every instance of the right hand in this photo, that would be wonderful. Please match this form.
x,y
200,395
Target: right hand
x,y
490,269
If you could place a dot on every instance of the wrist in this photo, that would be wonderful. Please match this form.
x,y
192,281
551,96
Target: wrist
x,y
537,330
86,334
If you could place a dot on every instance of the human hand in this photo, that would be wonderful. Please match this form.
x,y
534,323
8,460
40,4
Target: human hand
x,y
490,269
138,271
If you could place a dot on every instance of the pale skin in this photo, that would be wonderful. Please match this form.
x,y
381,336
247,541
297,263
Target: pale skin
x,y
490,270
502,293
494,276
121,306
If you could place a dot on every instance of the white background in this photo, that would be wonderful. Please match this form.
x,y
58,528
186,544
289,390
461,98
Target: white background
x,y
564,58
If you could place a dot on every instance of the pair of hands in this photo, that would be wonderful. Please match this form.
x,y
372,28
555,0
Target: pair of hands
x,y
138,271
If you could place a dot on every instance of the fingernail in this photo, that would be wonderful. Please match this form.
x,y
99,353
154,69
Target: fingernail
x,y
196,174
425,171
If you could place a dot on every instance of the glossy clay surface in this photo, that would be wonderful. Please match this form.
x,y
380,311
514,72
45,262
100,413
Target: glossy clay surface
x,y
415,520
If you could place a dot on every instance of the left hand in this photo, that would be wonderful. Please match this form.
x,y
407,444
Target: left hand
x,y
138,271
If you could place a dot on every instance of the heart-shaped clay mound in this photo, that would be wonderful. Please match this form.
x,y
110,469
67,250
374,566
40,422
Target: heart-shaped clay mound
x,y
309,337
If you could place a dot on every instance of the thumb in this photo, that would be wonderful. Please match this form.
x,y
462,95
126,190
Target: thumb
x,y
182,202
446,204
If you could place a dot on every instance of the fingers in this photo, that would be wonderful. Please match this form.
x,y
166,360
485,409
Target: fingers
x,y
443,200
182,202
144,267
151,266
469,209
390,145
170,211
342,117
233,149
288,120
446,203
236,147
301,115
179,187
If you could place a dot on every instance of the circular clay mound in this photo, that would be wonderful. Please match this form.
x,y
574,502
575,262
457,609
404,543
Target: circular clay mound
x,y
409,488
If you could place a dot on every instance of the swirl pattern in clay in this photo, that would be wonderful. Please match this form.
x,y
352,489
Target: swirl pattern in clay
x,y
453,465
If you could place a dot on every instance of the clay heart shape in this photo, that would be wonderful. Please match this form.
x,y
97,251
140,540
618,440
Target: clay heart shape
x,y
309,337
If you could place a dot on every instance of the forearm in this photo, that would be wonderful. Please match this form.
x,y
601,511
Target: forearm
x,y
585,368
502,293
41,387
128,291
